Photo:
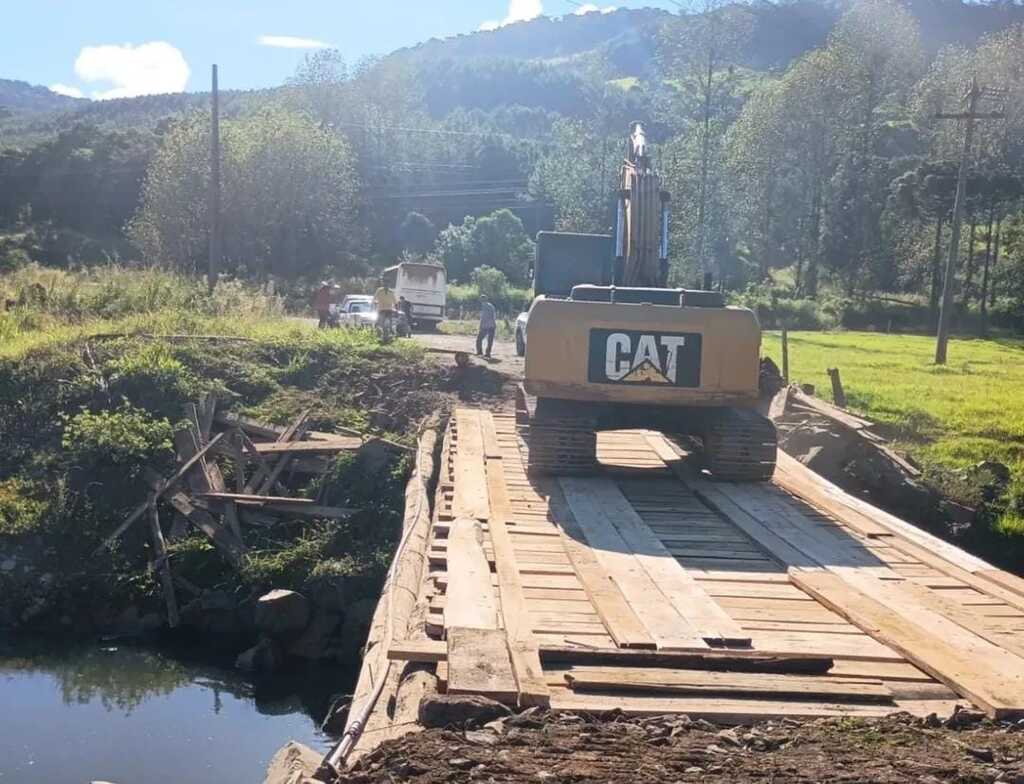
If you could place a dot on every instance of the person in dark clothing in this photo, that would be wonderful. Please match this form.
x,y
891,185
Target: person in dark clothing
x,y
488,324
405,308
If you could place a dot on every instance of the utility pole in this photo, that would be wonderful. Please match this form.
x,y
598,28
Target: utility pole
x,y
214,199
974,94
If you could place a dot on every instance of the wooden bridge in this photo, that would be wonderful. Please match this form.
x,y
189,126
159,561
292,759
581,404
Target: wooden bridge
x,y
651,589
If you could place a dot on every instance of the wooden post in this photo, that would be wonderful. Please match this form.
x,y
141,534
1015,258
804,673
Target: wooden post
x,y
163,564
785,355
838,395
214,205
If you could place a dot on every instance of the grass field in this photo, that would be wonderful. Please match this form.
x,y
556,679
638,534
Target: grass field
x,y
969,410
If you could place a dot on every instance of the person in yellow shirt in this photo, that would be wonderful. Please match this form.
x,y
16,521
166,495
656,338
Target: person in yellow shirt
x,y
384,299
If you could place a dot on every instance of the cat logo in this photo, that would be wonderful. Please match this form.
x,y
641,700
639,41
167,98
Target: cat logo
x,y
637,358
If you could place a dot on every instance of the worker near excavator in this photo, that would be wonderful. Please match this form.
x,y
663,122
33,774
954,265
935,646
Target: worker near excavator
x,y
488,324
384,300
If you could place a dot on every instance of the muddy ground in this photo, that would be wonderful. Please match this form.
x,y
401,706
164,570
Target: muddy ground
x,y
575,748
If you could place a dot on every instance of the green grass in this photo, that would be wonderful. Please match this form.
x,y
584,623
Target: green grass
x,y
83,416
506,328
950,416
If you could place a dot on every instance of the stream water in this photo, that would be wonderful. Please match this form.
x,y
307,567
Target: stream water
x,y
130,715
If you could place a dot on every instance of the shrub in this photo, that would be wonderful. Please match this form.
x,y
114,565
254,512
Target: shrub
x,y
150,376
14,259
122,437
20,512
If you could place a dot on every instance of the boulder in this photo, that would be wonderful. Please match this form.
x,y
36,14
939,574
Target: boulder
x,y
261,659
459,710
282,613
313,643
294,763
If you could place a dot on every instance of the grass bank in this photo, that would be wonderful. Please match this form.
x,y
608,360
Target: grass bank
x,y
947,417
87,403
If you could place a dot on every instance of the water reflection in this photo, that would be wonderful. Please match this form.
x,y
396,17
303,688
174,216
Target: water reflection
x,y
126,715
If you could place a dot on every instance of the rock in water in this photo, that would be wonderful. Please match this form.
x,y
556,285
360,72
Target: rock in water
x,y
447,710
282,613
263,658
294,763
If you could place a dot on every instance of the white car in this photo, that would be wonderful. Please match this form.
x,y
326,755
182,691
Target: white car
x,y
357,310
521,334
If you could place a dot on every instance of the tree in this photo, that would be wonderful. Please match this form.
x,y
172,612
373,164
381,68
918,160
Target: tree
x,y
491,282
288,195
418,234
700,51
497,240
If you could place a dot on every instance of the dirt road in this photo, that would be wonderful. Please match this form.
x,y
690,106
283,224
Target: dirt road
x,y
503,359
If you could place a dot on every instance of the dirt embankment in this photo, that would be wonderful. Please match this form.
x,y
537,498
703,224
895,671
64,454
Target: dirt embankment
x,y
532,747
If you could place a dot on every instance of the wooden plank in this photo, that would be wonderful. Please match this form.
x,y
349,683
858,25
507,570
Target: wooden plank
x,y
662,621
688,598
423,650
479,663
162,563
251,498
339,444
470,480
231,518
141,508
492,449
798,479
989,676
1003,579
806,687
721,710
293,432
471,599
732,660
623,624
522,645
222,539
961,615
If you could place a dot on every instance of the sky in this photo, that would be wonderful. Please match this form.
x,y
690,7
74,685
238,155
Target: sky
x,y
123,48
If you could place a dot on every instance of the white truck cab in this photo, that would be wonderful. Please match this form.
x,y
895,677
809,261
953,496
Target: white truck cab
x,y
425,286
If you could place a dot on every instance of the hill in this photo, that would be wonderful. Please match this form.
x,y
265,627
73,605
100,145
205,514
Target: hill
x,y
25,98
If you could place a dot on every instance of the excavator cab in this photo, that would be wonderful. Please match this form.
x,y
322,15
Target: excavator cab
x,y
611,347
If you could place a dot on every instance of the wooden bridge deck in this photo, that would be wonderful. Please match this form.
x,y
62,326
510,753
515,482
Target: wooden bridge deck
x,y
651,589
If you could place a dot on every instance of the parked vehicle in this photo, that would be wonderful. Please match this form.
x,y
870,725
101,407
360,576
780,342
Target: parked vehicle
x,y
425,286
521,334
356,310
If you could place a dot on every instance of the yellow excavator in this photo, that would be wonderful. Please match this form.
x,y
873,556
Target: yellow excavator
x,y
611,347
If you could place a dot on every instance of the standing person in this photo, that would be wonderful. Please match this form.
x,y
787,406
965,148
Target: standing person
x,y
488,323
405,308
384,299
322,303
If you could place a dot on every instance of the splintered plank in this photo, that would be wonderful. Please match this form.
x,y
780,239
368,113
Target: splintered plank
x,y
736,684
522,645
688,598
470,498
664,623
722,710
470,596
479,663
986,674
337,444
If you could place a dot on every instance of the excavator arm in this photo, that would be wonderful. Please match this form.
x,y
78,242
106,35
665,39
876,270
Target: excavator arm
x,y
641,226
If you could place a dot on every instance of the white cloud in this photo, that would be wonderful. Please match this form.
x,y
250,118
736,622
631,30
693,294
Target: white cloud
x,y
290,42
147,69
590,8
518,11
68,90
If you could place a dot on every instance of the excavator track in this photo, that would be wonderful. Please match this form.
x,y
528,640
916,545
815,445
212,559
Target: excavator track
x,y
557,441
739,446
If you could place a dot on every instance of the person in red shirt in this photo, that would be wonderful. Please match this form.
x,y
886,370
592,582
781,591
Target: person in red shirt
x,y
322,303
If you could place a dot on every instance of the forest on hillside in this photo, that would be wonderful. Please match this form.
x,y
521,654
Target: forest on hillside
x,y
800,141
